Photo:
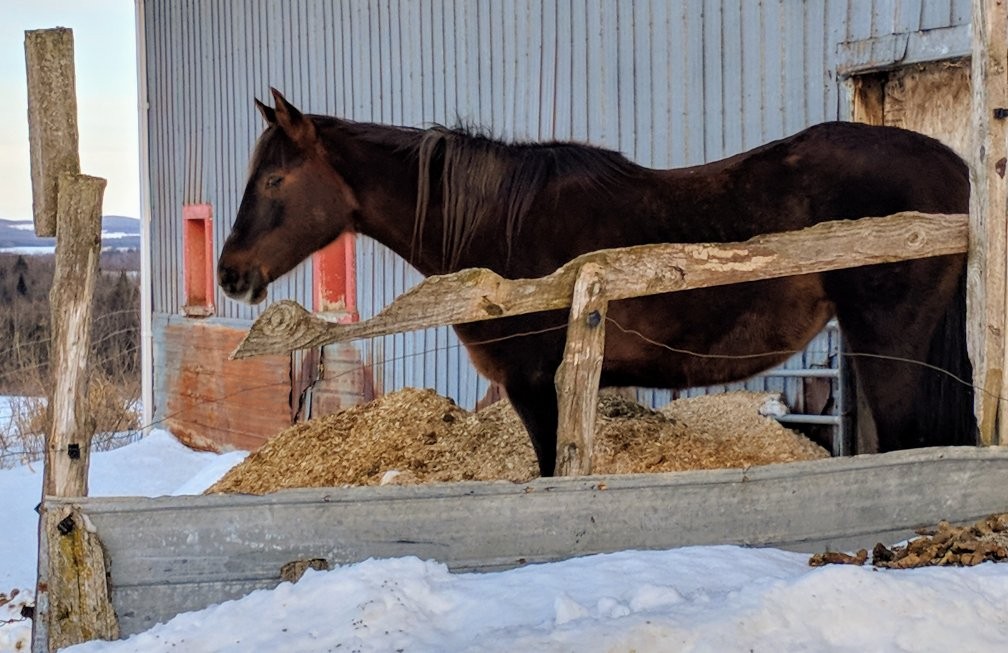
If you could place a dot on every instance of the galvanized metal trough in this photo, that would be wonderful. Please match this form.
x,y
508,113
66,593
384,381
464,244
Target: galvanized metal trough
x,y
174,554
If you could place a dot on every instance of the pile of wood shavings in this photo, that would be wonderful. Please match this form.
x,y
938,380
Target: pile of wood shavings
x,y
944,545
416,436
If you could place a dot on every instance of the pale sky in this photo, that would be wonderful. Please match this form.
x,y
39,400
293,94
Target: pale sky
x,y
105,58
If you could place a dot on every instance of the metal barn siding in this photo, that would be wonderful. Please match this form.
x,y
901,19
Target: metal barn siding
x,y
668,83
206,60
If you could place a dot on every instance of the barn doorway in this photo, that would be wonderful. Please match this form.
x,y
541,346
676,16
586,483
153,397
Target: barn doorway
x,y
933,98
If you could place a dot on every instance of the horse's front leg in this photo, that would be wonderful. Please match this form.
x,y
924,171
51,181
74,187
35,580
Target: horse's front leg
x,y
536,405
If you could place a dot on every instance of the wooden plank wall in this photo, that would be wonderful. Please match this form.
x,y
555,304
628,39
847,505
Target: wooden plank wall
x,y
210,402
174,554
932,99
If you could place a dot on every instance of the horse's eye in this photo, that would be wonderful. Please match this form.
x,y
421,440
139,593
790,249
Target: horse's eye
x,y
273,181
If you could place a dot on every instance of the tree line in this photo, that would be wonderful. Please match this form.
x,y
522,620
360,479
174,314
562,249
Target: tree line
x,y
25,282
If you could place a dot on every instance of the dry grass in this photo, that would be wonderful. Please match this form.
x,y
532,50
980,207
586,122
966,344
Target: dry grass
x,y
417,436
112,406
25,283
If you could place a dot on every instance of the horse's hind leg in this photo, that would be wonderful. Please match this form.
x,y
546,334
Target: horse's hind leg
x,y
890,315
889,389
536,405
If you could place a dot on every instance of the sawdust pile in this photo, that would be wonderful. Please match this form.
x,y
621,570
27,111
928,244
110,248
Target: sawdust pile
x,y
416,436
944,545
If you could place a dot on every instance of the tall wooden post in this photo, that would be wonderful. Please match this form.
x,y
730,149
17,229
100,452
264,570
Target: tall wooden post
x,y
986,276
78,247
72,599
52,119
577,379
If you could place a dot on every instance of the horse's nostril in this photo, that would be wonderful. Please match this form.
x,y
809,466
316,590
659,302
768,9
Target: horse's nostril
x,y
229,280
242,284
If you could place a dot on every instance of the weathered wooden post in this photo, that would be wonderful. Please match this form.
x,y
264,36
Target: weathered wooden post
x,y
986,286
72,600
577,379
52,119
78,247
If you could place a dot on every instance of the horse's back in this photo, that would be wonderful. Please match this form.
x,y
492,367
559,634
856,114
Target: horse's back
x,y
852,170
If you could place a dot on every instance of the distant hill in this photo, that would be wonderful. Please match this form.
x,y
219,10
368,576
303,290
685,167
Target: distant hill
x,y
118,232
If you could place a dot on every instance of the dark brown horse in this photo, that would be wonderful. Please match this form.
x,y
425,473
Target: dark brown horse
x,y
447,199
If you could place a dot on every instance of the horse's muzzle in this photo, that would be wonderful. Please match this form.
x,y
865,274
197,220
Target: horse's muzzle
x,y
248,285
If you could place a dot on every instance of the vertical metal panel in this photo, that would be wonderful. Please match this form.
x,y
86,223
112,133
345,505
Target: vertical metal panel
x,y
205,62
773,87
907,16
867,19
751,72
713,82
669,83
792,61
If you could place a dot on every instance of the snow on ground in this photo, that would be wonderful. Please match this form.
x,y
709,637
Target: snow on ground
x,y
156,465
715,598
5,413
30,250
6,407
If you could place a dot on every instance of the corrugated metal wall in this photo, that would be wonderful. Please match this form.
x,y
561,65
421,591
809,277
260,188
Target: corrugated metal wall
x,y
874,18
668,83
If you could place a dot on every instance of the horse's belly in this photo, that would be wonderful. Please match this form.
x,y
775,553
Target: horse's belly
x,y
713,335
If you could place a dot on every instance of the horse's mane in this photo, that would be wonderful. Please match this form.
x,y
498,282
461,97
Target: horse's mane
x,y
484,180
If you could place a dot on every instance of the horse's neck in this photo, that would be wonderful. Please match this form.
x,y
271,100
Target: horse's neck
x,y
383,175
383,169
387,184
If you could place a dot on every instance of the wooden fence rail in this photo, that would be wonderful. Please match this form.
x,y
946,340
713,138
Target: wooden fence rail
x,y
480,294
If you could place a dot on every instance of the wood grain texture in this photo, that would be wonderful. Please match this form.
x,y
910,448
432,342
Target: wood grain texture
x,y
52,119
210,402
78,246
72,601
986,287
479,294
577,378
173,554
932,99
868,99
78,600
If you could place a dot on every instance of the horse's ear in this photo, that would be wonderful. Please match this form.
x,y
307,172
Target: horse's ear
x,y
298,128
268,114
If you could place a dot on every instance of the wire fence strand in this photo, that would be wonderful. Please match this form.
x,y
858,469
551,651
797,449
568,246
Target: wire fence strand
x,y
123,438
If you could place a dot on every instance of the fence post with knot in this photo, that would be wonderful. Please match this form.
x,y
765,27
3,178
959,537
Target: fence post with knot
x,y
577,378
72,596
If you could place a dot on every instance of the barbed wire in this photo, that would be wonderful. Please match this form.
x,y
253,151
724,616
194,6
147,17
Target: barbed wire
x,y
791,352
13,621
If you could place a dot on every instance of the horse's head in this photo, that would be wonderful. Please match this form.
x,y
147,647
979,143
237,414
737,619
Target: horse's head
x,y
295,203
